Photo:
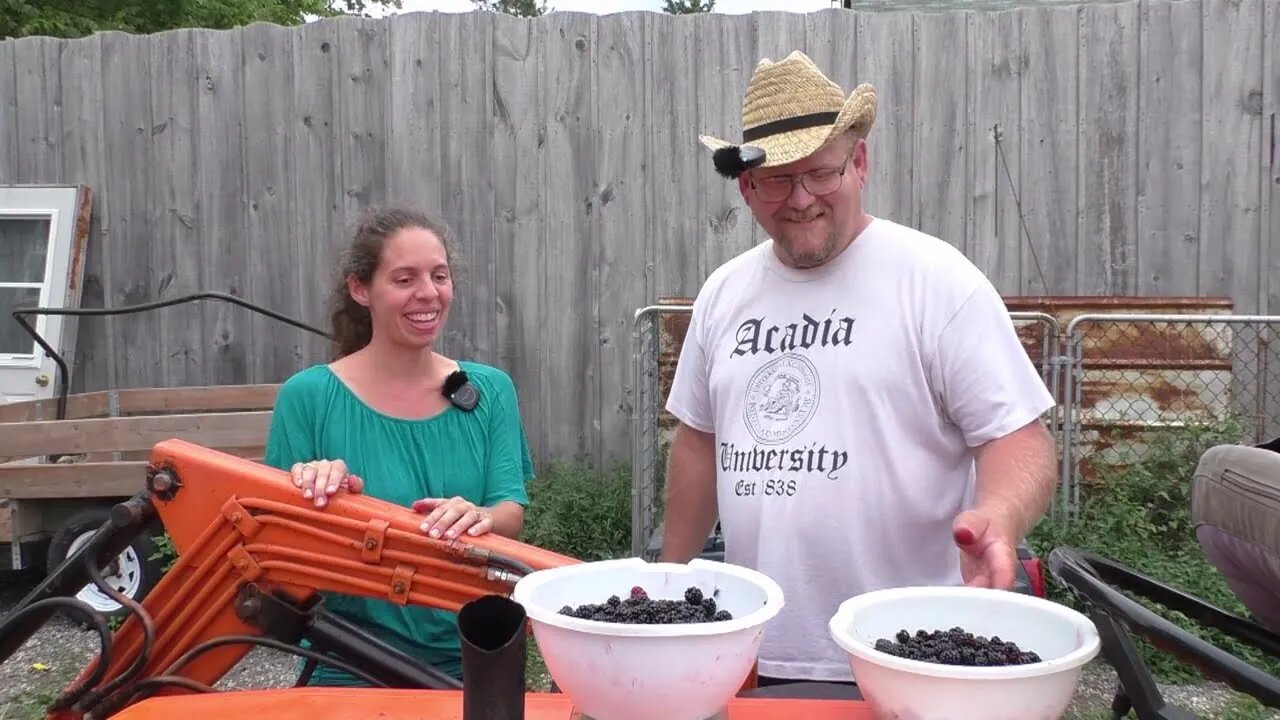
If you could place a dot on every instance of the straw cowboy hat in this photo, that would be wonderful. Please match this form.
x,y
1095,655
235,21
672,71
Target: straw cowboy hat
x,y
789,111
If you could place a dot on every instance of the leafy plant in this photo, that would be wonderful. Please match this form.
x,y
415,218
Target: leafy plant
x,y
164,551
688,7
518,8
579,512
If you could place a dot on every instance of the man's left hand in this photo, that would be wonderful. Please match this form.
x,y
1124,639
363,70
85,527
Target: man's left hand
x,y
988,558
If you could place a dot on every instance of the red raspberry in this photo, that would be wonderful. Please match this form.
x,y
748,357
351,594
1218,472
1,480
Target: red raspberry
x,y
638,592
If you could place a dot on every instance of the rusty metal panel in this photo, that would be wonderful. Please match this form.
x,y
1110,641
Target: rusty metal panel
x,y
1133,377
1140,373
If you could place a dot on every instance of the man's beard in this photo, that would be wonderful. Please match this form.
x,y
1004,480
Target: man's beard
x,y
803,256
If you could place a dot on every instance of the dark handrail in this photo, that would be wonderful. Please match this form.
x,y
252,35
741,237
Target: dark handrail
x,y
1091,577
21,313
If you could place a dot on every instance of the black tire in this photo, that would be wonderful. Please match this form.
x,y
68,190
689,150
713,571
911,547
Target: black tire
x,y
134,573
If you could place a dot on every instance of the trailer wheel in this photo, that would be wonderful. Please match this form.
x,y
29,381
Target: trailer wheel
x,y
133,572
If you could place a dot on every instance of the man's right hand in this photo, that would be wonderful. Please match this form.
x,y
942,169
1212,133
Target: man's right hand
x,y
319,479
691,507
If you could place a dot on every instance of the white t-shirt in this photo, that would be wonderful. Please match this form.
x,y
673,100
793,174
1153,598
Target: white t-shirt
x,y
846,402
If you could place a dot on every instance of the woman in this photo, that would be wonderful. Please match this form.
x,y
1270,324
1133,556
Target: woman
x,y
377,420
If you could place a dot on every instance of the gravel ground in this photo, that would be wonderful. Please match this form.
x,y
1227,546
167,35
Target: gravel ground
x,y
52,658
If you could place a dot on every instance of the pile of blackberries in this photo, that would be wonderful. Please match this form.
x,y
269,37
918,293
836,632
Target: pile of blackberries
x,y
639,609
956,647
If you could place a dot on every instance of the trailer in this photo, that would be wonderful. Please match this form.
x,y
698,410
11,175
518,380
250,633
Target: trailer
x,y
59,478
66,459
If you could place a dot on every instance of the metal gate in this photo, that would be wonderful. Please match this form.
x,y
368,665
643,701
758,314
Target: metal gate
x,y
1138,382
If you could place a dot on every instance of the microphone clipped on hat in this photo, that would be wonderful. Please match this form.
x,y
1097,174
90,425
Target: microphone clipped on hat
x,y
733,160
460,391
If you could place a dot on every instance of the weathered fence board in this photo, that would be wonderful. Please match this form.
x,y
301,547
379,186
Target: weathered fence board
x,y
1052,200
1232,145
1168,190
1108,148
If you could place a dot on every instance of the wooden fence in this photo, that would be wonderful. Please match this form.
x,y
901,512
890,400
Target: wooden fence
x,y
1110,148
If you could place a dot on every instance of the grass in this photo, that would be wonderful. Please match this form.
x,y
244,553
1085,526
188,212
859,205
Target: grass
x,y
28,705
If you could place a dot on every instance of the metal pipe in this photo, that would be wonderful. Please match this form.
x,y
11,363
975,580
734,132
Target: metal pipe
x,y
1190,317
1098,582
20,316
1066,363
493,658
1260,399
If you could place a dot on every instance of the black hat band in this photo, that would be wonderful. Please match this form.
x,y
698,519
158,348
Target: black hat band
x,y
799,122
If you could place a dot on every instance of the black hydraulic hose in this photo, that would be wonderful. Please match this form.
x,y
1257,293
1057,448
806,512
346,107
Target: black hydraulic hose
x,y
510,563
20,315
157,682
130,695
17,618
274,644
333,633
148,642
108,541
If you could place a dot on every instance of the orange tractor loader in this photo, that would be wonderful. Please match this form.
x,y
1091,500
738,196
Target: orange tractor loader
x,y
253,558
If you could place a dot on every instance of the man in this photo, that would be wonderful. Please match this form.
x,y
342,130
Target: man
x,y
839,384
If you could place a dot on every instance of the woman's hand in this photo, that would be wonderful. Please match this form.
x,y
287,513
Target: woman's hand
x,y
322,478
450,517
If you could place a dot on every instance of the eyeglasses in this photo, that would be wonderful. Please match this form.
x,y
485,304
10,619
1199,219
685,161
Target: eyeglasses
x,y
816,182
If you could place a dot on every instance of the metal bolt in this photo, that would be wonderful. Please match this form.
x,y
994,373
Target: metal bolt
x,y
398,587
235,517
370,544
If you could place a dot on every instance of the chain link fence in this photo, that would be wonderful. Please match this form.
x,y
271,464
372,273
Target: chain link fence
x,y
1126,384
657,336
1142,384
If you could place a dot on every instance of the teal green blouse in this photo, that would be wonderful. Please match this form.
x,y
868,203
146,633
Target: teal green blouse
x,y
482,455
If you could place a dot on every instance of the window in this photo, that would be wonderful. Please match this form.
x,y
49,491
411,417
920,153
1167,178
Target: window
x,y
24,275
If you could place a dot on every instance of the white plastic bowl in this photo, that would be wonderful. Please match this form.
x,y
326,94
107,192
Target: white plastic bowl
x,y
906,689
615,671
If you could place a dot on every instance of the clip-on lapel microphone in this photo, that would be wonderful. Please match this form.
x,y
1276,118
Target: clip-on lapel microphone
x,y
458,388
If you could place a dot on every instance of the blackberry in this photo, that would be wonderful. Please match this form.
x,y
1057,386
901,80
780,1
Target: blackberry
x,y
955,646
639,609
